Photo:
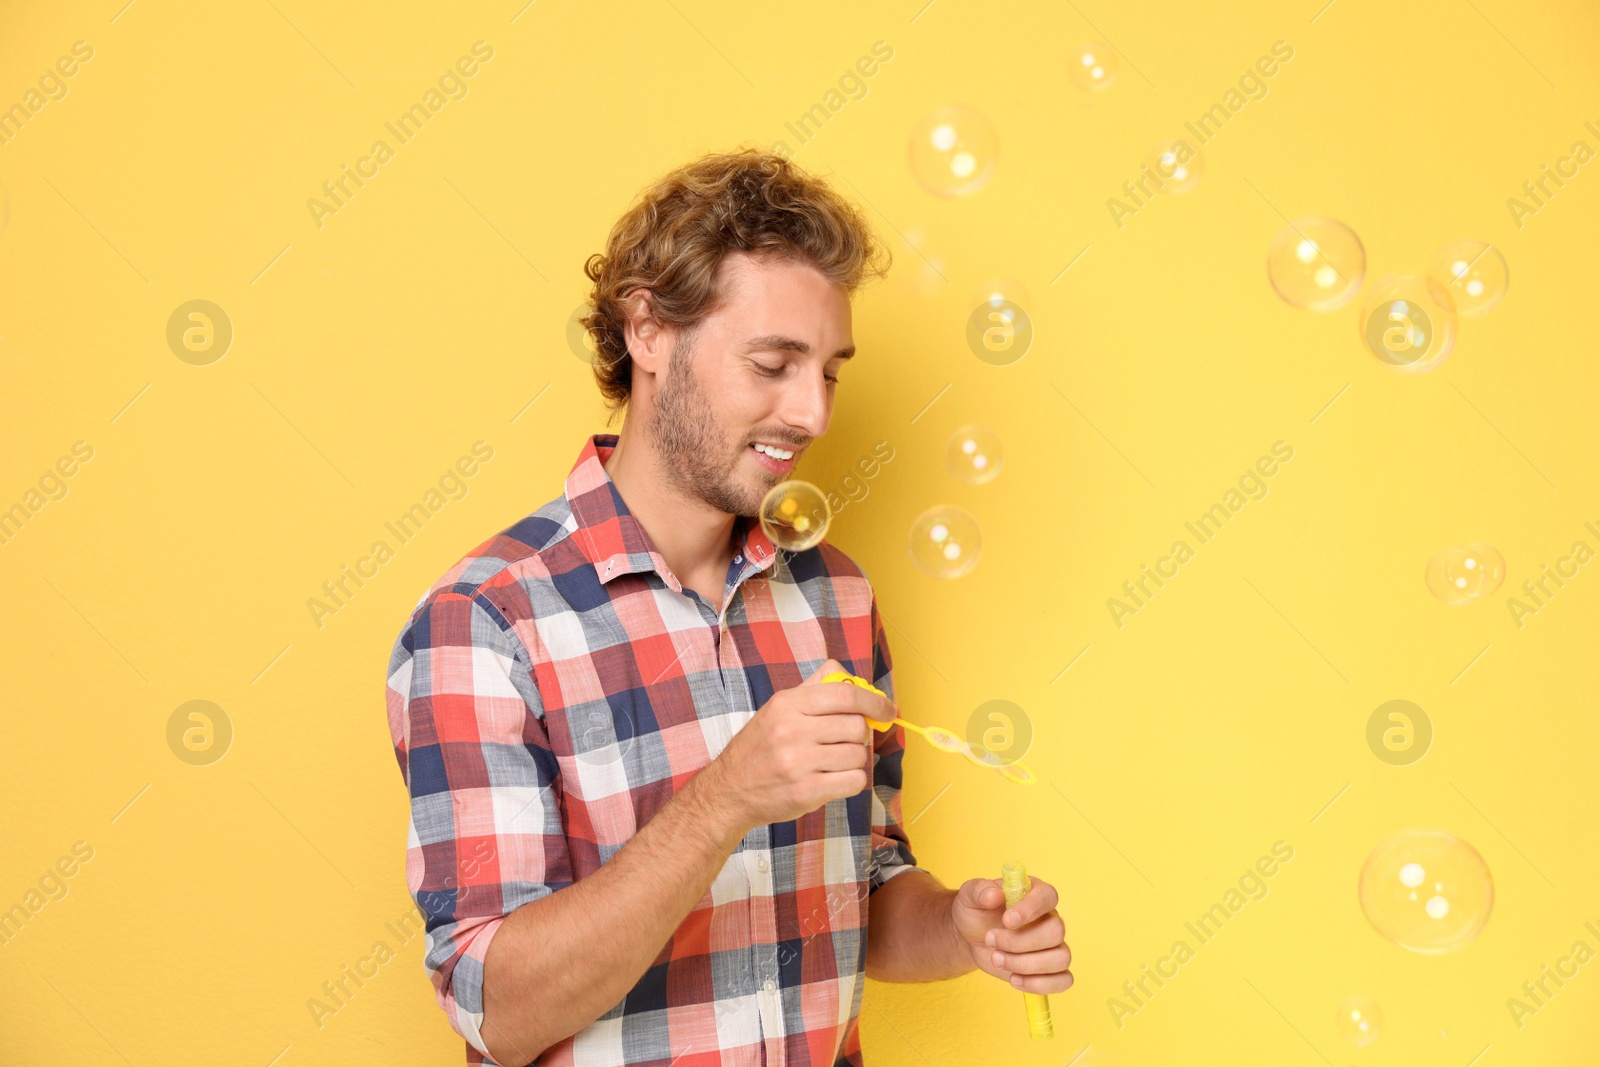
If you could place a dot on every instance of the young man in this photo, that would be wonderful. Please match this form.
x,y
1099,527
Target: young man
x,y
642,830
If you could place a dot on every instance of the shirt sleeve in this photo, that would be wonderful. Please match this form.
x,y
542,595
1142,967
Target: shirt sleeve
x,y
486,834
891,848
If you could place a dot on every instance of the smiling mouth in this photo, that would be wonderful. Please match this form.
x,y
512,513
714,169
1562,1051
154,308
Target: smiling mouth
x,y
776,452
775,458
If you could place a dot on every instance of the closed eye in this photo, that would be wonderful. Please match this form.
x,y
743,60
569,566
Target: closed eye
x,y
768,371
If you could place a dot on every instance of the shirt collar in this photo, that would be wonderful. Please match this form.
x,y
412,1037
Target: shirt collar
x,y
616,543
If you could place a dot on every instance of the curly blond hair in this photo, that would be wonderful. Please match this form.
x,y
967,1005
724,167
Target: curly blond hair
x,y
674,237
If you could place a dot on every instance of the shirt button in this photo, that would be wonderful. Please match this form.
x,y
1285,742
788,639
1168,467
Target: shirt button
x,y
738,559
769,985
761,863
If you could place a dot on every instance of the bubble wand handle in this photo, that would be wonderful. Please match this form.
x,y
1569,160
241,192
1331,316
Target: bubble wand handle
x,y
1014,880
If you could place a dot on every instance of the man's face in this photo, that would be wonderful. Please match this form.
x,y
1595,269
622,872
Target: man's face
x,y
743,397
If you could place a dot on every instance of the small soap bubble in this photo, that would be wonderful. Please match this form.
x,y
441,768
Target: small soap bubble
x,y
1461,574
1092,66
1409,323
1177,164
953,151
1316,264
974,454
945,542
795,515
1000,329
1474,274
1361,1021
1427,891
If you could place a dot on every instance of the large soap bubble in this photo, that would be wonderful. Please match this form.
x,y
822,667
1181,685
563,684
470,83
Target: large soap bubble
x,y
1427,891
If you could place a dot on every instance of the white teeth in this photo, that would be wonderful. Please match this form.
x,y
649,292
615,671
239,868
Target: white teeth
x,y
774,451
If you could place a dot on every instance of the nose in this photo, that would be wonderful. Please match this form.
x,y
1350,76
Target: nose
x,y
809,405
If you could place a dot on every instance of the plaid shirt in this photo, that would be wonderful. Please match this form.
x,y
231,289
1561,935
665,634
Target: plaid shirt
x,y
544,697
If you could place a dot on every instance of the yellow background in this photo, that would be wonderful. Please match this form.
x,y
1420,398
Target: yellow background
x,y
429,312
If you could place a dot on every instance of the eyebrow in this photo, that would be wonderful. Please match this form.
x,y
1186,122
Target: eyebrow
x,y
778,342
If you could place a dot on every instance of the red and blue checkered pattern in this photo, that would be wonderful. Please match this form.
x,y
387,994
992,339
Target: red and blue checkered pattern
x,y
547,696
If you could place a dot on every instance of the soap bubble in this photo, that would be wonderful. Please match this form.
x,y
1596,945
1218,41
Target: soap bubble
x,y
1427,891
1177,164
953,151
1461,574
1474,274
1000,330
1409,323
1361,1021
945,542
974,454
795,515
1316,264
1092,66
944,740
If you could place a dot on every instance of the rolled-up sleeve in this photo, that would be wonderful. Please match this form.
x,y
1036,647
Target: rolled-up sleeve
x,y
486,834
891,847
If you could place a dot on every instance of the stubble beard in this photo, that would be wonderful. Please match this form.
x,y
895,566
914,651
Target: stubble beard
x,y
694,454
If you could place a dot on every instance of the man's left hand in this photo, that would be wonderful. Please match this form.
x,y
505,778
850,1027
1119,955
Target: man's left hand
x,y
1025,944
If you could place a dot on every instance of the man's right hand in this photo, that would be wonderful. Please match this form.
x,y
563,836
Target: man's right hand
x,y
804,747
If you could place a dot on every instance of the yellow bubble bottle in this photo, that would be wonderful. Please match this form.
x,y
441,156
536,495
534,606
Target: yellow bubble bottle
x,y
1014,880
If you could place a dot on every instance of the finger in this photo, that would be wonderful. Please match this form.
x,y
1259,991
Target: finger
x,y
836,729
1043,983
1045,961
846,783
1041,933
1041,898
841,756
834,699
982,894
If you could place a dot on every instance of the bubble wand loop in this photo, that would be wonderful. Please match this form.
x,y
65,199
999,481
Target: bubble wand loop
x,y
1014,880
940,738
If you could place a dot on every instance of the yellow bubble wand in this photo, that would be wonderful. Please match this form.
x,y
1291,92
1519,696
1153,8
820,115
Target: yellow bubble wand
x,y
1014,880
942,739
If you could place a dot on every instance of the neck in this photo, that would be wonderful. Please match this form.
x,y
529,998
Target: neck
x,y
695,539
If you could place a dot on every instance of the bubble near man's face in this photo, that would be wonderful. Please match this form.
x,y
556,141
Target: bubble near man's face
x,y
1426,891
953,151
795,515
1317,264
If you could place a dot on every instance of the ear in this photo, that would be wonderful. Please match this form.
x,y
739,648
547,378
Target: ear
x,y
649,343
